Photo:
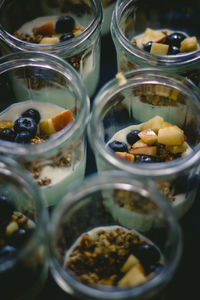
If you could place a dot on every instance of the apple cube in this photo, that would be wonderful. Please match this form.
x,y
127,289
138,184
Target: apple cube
x,y
177,149
49,40
153,35
148,150
133,277
129,263
189,44
126,156
166,124
57,123
154,124
148,136
5,124
171,136
46,29
139,144
160,49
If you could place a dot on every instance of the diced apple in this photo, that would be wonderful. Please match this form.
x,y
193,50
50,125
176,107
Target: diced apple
x,y
189,44
77,30
49,40
5,124
138,144
55,124
148,136
166,124
126,156
148,150
171,136
129,263
133,277
154,124
160,49
46,29
153,35
177,149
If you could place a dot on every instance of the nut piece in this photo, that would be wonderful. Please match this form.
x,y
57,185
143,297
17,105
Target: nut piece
x,y
189,44
160,49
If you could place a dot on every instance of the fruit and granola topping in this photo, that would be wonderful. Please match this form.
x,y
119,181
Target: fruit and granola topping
x,y
114,256
164,42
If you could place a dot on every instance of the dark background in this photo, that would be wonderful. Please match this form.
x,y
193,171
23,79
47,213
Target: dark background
x,y
186,282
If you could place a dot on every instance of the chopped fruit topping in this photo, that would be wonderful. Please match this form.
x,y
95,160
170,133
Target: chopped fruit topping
x,y
5,124
65,24
173,50
134,276
146,253
129,263
77,30
125,155
172,136
175,39
177,149
147,46
153,35
7,135
189,44
49,40
66,36
25,124
160,49
132,137
57,123
148,136
118,146
32,113
139,144
23,137
155,124
148,150
47,29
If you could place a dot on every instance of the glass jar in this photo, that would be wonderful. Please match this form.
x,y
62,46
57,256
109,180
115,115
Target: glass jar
x,y
131,18
82,51
108,7
91,216
56,153
23,235
123,106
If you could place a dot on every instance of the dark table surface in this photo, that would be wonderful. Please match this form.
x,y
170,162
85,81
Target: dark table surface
x,y
186,282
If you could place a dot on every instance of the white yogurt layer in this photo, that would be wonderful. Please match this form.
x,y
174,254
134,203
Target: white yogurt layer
x,y
60,176
89,64
141,221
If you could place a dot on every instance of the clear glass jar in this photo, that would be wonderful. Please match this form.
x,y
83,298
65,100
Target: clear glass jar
x,y
23,246
108,7
50,85
86,210
81,51
131,18
143,95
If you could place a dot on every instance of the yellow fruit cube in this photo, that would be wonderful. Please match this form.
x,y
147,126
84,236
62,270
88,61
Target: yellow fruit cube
x,y
189,44
133,277
154,124
171,136
148,136
160,49
177,149
129,263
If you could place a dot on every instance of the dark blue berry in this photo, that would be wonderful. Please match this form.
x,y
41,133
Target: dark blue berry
x,y
66,36
25,124
118,146
19,237
65,24
173,50
6,207
23,137
147,46
132,137
146,253
145,159
7,135
7,252
33,114
156,268
175,39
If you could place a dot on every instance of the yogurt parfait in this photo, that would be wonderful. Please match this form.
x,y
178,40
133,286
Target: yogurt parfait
x,y
68,29
98,257
147,127
160,35
45,131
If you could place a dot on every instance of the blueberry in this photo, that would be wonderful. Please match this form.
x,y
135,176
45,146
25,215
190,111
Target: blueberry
x,y
66,36
7,135
23,137
65,24
146,159
33,114
147,46
175,39
173,50
7,252
118,146
156,268
25,124
132,137
19,237
6,207
146,253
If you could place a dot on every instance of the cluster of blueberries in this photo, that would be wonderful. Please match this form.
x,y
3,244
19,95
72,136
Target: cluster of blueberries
x,y
13,242
24,129
65,25
132,137
173,40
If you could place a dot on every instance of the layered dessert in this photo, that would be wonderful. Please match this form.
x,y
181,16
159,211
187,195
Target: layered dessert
x,y
33,122
56,29
113,256
153,141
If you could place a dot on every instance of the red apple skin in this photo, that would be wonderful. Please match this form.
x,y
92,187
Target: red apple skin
x,y
148,150
125,155
62,120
